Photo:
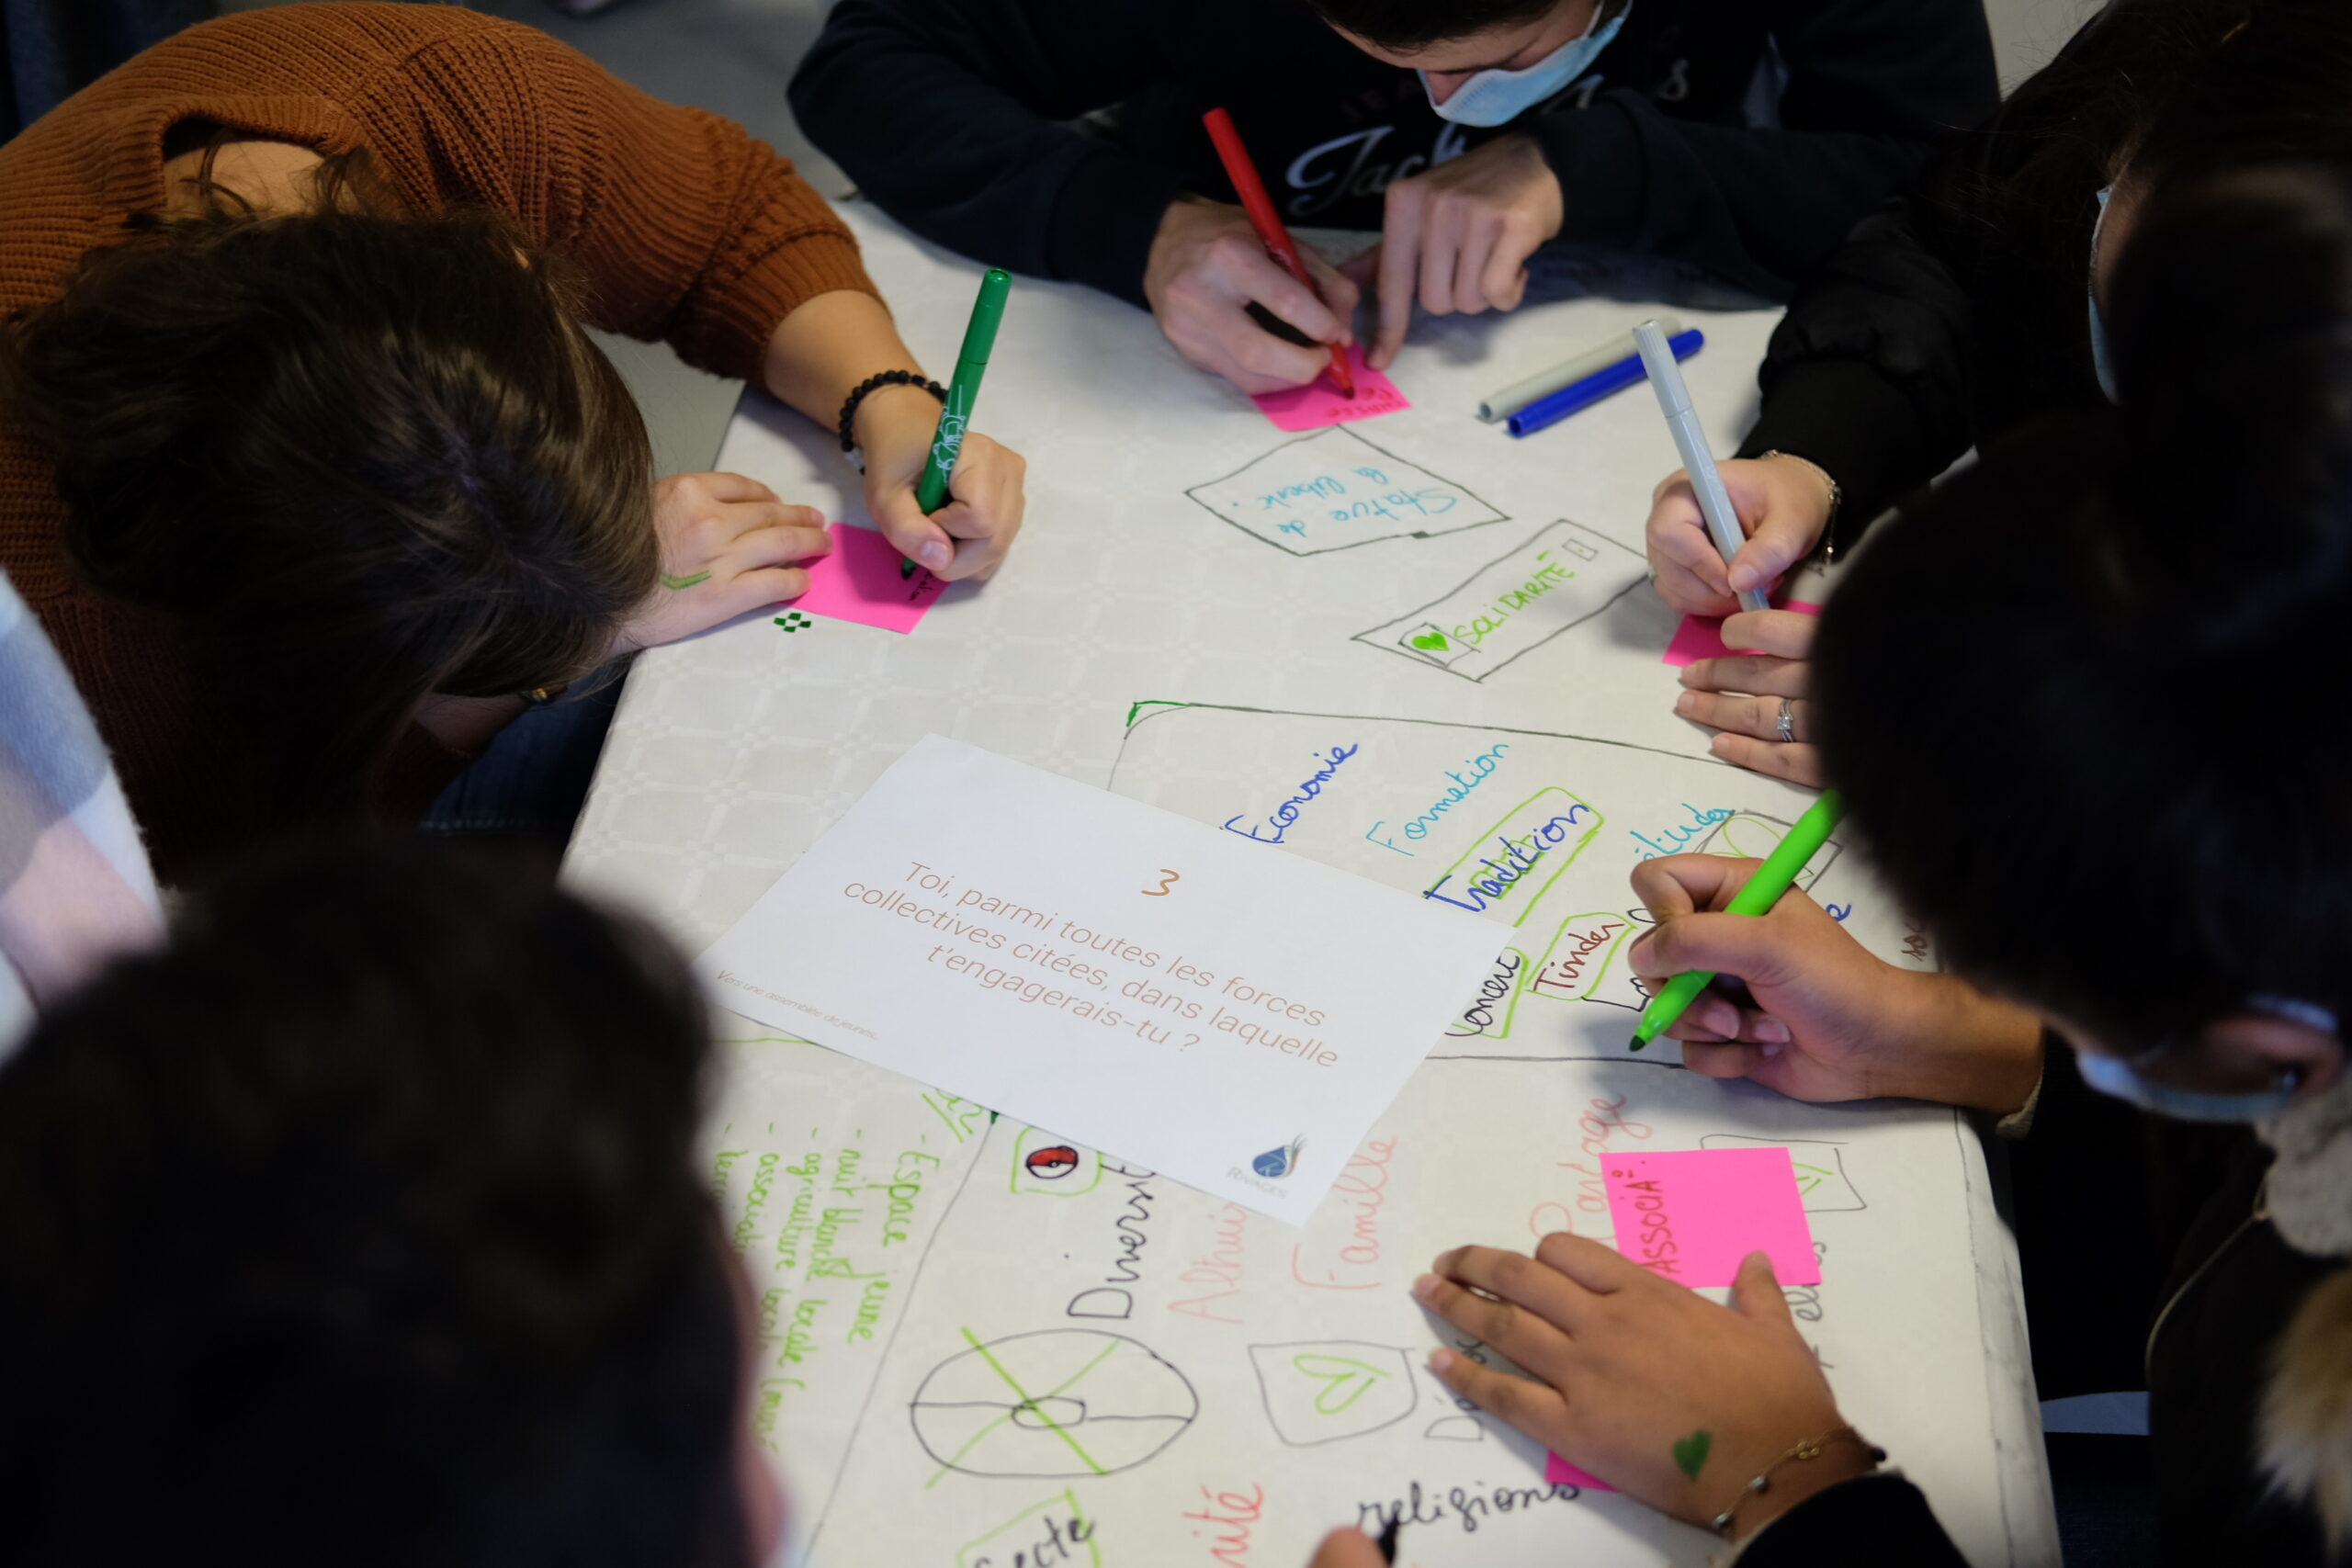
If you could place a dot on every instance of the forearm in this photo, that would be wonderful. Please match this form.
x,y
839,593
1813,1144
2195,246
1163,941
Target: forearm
x,y
1955,1046
819,353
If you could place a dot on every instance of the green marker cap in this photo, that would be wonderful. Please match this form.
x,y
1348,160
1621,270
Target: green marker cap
x,y
988,315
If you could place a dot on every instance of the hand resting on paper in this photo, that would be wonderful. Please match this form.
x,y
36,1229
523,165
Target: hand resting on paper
x,y
1457,237
1739,696
728,546
1783,506
1347,1548
1826,1019
1649,1386
1207,266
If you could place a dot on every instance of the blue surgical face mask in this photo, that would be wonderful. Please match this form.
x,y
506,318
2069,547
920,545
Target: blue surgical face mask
x,y
2121,1078
1497,98
2101,364
2113,1076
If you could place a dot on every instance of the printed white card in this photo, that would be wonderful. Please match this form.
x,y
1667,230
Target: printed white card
x,y
1198,1002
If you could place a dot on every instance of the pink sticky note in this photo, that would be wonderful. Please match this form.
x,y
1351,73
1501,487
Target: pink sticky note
x,y
1698,637
1320,402
1691,1215
859,581
1558,1472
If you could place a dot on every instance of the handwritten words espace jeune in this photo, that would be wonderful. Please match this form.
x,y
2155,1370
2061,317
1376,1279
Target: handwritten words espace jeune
x,y
1089,970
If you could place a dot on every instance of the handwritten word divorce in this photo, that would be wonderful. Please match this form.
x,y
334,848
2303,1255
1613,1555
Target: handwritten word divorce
x,y
1282,817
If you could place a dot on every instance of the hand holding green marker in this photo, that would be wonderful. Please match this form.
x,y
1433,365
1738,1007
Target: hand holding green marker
x,y
1776,876
963,391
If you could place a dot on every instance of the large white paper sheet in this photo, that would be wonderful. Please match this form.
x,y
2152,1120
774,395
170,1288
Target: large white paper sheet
x,y
1193,999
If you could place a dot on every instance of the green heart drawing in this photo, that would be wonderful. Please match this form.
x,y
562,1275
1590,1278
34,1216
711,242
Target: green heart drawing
x,y
1349,1381
1431,642
1690,1452
1809,1175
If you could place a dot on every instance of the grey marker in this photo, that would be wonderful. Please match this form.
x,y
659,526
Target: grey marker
x,y
1674,401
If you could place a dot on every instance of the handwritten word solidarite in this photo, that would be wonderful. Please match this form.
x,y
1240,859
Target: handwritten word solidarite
x,y
1282,817
1520,856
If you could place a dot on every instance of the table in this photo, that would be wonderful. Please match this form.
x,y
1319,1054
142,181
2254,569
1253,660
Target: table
x,y
933,1284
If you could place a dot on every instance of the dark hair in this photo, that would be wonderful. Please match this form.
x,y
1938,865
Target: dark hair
x,y
1406,24
2180,90
2069,697
361,1223
356,458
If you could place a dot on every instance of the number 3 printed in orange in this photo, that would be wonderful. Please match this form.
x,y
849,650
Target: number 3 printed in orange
x,y
1165,887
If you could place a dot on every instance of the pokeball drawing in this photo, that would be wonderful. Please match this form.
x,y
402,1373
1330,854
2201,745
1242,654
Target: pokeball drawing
x,y
1050,1163
1044,1164
1061,1401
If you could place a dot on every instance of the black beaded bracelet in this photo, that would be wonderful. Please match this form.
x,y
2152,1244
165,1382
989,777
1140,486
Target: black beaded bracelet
x,y
883,379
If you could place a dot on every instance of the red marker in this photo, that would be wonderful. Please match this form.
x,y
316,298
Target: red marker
x,y
1267,221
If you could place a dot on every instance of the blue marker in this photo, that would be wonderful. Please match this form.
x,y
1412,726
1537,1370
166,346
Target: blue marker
x,y
1577,396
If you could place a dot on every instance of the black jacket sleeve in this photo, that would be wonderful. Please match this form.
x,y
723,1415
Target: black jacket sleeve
x,y
1868,86
1877,1521
1865,375
986,165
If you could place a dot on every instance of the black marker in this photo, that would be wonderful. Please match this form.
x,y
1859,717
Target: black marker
x,y
1387,1541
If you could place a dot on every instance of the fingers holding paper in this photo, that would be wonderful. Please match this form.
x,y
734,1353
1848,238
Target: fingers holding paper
x,y
1743,695
729,545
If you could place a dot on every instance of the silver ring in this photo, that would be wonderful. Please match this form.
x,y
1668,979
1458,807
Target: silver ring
x,y
1788,722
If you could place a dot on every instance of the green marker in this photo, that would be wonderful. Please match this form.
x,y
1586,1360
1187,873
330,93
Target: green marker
x,y
1776,876
988,312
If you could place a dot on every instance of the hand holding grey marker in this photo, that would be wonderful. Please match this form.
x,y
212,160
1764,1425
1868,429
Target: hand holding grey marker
x,y
1674,401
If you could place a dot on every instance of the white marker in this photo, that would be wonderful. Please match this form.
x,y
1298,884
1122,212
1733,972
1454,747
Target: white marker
x,y
1500,406
1674,401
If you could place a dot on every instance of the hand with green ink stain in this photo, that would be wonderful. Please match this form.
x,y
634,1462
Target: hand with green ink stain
x,y
729,547
1655,1389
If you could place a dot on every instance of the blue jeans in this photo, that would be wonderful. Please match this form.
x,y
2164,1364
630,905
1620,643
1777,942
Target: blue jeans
x,y
534,779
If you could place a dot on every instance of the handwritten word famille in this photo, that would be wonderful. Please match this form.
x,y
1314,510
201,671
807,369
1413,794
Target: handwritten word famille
x,y
1282,817
1480,768
1521,854
1360,1191
1680,835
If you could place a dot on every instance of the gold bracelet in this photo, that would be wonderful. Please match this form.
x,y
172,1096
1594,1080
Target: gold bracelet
x,y
1837,493
1811,1448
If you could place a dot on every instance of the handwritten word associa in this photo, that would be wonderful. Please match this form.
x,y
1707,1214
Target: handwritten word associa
x,y
1520,856
1285,816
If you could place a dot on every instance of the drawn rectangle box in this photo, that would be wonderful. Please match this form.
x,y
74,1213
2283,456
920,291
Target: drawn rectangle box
x,y
1562,575
1334,490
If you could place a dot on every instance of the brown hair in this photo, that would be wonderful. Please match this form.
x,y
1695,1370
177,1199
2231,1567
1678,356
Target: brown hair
x,y
359,457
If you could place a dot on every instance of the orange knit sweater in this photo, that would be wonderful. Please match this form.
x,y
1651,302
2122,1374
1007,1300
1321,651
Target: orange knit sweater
x,y
684,228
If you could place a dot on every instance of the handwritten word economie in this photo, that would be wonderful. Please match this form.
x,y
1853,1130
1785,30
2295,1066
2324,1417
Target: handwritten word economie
x,y
1079,957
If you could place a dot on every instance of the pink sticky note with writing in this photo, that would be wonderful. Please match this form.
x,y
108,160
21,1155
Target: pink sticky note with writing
x,y
1558,1472
859,581
1320,402
1691,1215
1700,637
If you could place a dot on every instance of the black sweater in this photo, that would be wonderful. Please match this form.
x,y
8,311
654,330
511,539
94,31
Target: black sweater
x,y
1744,137
2234,1285
1957,311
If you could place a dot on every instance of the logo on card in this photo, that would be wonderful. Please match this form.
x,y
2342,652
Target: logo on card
x,y
1276,1164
